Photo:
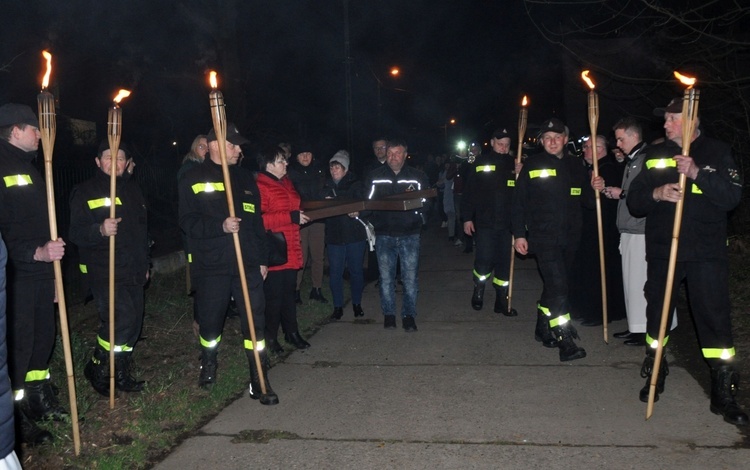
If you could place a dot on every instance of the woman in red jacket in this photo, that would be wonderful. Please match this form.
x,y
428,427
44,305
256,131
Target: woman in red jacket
x,y
280,205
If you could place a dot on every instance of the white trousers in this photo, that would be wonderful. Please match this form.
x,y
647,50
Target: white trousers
x,y
634,268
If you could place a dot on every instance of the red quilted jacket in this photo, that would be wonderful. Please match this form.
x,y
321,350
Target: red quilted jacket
x,y
278,199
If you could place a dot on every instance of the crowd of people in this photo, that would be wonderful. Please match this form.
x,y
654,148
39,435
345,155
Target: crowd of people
x,y
243,227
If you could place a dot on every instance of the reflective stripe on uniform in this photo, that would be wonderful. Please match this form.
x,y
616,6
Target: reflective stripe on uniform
x,y
653,343
17,180
102,202
84,269
500,282
207,187
575,191
559,321
544,310
661,163
542,173
248,207
190,257
481,277
695,189
210,344
485,168
261,345
35,375
718,353
511,183
118,348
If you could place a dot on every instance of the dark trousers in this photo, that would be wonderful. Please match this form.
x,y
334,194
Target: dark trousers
x,y
212,294
708,294
554,263
492,254
128,312
280,306
31,329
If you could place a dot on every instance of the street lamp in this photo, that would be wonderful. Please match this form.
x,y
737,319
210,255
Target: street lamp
x,y
394,72
451,122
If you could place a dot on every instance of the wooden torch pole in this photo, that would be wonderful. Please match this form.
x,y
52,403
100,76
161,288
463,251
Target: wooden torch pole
x,y
689,116
593,105
48,129
218,114
523,115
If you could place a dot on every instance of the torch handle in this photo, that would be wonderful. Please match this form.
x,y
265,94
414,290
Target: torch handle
x,y
114,131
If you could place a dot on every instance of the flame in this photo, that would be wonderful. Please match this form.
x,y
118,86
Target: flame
x,y
212,79
684,79
121,95
395,71
525,101
45,80
585,77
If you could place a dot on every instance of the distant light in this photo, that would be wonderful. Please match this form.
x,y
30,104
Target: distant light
x,y
461,145
395,71
452,121
174,144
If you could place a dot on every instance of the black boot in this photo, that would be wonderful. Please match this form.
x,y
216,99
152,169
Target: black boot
x,y
724,383
297,340
543,333
317,294
123,380
209,364
42,402
27,431
358,312
338,312
274,346
97,371
501,302
569,351
647,369
268,398
477,298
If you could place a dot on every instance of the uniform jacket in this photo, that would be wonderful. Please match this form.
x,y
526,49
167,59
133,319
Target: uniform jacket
x,y
547,200
716,191
6,394
342,229
384,182
24,222
203,209
89,206
489,191
280,209
626,222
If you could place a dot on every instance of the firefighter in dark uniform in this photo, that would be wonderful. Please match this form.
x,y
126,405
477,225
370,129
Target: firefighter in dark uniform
x,y
204,217
90,229
485,214
31,287
714,187
547,204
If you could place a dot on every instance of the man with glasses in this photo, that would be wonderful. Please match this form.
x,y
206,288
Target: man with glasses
x,y
546,221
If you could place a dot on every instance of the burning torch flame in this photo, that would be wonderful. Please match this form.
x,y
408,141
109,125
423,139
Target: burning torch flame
x,y
212,79
585,77
689,81
121,95
45,80
525,101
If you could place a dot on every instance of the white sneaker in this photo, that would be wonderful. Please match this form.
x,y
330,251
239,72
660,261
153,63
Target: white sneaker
x,y
444,225
458,242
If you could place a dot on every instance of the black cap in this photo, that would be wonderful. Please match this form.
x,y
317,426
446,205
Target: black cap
x,y
552,125
233,135
13,113
501,133
674,106
104,145
303,147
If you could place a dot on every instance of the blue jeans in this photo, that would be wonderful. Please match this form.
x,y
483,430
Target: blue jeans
x,y
389,250
353,256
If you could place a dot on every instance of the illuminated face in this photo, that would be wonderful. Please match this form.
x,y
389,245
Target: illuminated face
x,y
233,153
337,171
588,151
278,167
202,148
305,158
501,146
27,139
378,148
626,141
396,157
554,143
105,162
673,127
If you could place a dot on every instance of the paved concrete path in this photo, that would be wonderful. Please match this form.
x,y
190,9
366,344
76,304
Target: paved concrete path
x,y
468,390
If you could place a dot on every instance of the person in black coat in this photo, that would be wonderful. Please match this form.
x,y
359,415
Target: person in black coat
x,y
346,237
